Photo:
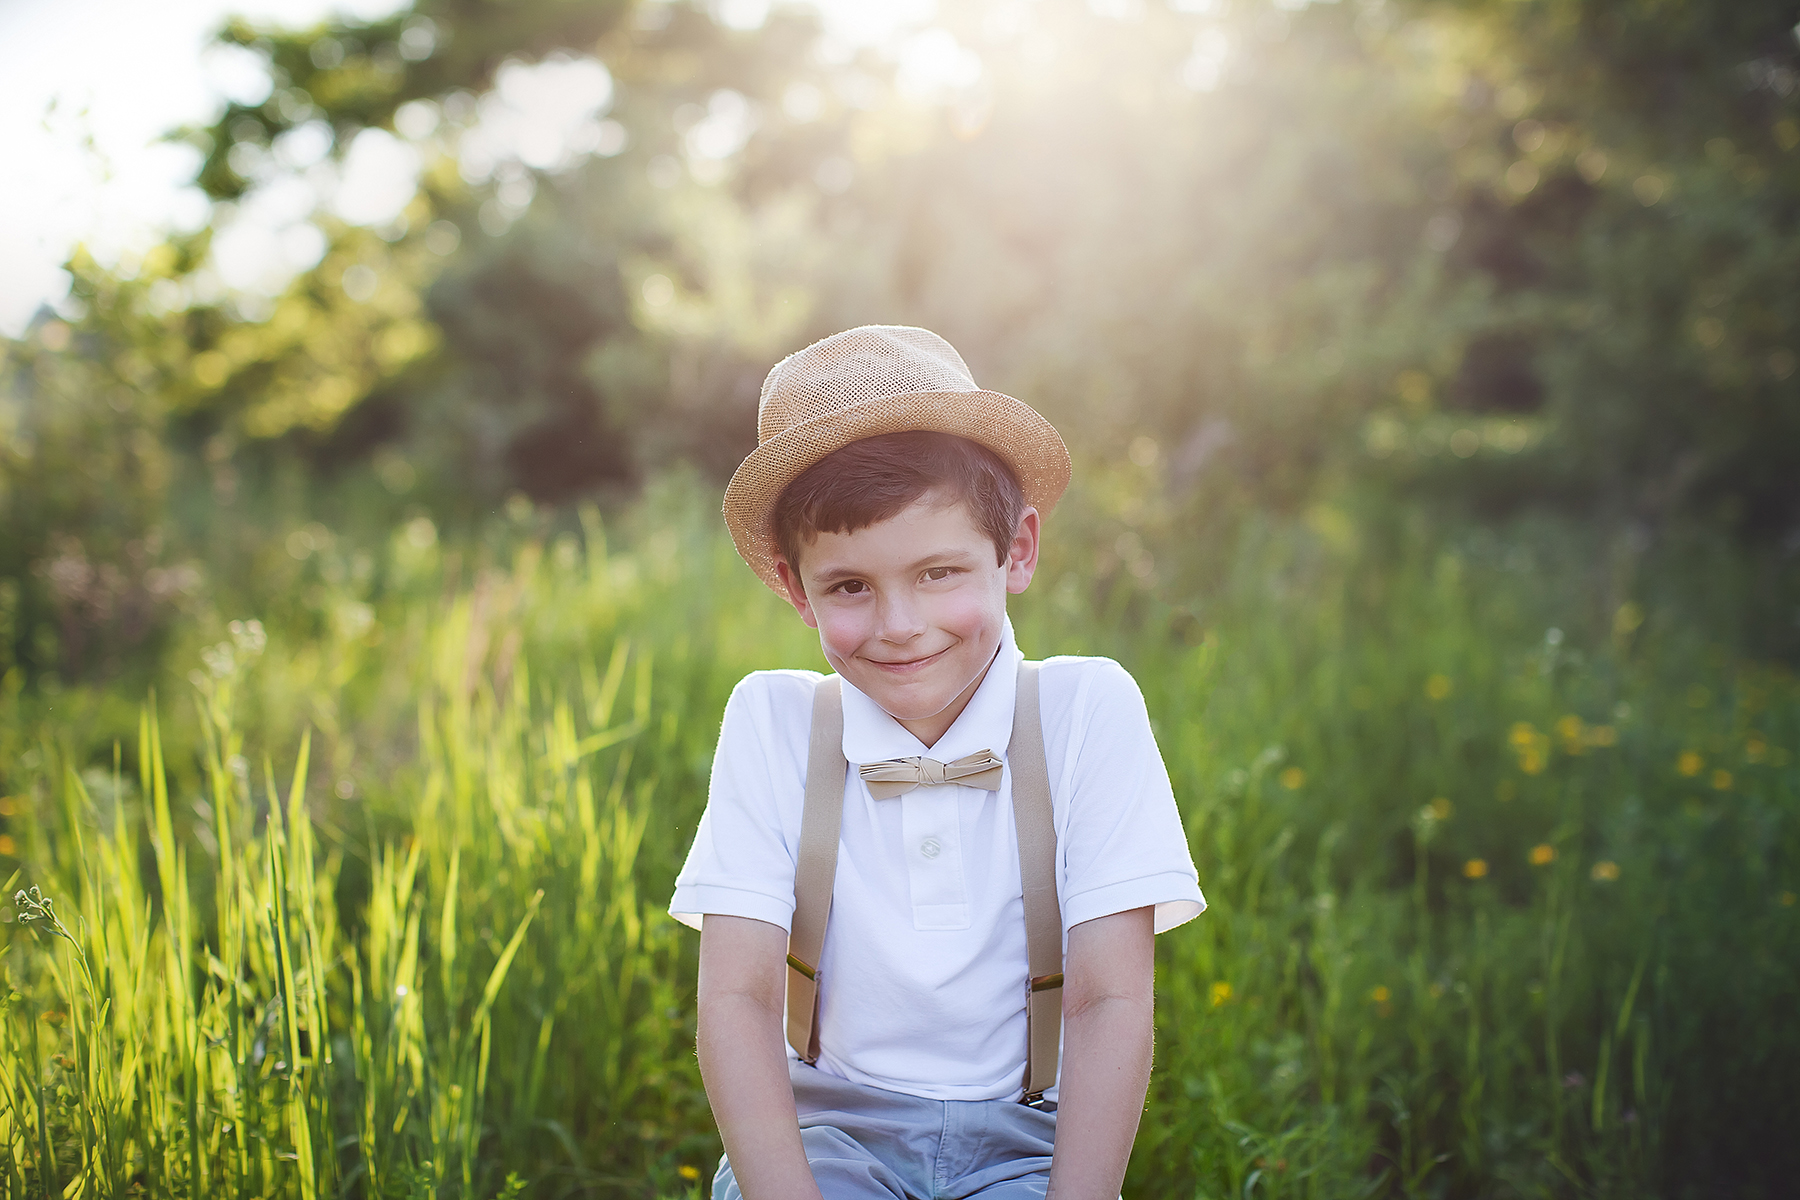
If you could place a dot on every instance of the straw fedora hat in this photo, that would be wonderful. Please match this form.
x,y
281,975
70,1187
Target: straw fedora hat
x,y
871,380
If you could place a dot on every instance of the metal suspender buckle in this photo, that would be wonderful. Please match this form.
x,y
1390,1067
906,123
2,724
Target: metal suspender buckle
x,y
1041,983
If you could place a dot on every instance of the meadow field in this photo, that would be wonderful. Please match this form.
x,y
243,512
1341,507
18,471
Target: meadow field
x,y
367,897
1432,376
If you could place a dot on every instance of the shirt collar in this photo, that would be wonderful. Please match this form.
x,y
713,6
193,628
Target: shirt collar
x,y
871,734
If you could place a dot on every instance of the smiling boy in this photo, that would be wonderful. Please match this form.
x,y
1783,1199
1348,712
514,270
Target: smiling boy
x,y
957,941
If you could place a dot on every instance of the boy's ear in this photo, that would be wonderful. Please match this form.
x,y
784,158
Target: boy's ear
x,y
1022,555
795,591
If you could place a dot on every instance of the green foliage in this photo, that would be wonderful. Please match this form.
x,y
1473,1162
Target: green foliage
x,y
259,1051
1500,256
544,378
1548,237
1493,908
1626,175
88,583
354,75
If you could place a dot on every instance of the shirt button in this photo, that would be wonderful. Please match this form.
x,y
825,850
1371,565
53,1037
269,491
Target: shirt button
x,y
931,847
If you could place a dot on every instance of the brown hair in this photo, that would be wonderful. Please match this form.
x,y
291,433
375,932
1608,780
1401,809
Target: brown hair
x,y
879,477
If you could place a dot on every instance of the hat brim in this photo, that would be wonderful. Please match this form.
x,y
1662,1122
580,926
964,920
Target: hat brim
x,y
1010,428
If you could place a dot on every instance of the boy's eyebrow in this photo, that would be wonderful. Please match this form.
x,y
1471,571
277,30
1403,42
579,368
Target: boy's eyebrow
x,y
834,575
949,557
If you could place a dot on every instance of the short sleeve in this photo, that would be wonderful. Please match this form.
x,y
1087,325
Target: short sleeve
x,y
1122,846
741,863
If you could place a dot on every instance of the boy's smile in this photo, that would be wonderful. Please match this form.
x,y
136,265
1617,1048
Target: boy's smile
x,y
911,610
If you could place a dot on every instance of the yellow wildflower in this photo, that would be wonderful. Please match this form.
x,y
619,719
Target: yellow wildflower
x,y
1438,687
1570,730
1721,780
1605,871
1532,747
1292,778
1689,763
687,1172
1441,808
1542,853
1475,868
1221,992
1380,995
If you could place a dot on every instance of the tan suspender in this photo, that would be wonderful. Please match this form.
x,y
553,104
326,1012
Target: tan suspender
x,y
1037,870
816,872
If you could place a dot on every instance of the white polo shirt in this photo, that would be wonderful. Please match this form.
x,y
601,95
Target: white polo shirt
x,y
922,976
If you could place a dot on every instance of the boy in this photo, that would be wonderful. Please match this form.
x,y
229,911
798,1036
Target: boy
x,y
977,904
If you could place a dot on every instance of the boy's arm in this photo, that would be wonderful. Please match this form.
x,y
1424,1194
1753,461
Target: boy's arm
x,y
1108,1001
743,1056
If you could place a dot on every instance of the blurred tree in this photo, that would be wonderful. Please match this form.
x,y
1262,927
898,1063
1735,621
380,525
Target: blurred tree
x,y
542,341
1507,253
1626,181
88,580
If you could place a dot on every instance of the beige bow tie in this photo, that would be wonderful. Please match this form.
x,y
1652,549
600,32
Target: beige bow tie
x,y
896,776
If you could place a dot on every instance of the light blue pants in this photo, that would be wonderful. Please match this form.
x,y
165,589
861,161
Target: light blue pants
x,y
868,1144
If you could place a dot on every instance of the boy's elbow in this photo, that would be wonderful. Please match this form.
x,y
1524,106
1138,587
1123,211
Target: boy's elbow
x,y
1111,966
742,961
731,1021
1118,1024
1126,1005
741,1000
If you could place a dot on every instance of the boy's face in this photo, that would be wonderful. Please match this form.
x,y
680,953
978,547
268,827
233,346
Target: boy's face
x,y
911,610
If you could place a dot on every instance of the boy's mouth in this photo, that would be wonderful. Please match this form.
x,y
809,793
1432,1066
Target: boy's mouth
x,y
911,664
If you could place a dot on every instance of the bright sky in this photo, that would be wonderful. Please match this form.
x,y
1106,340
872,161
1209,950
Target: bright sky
x,y
88,87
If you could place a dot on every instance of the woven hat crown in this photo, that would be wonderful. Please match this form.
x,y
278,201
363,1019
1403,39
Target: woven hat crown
x,y
868,363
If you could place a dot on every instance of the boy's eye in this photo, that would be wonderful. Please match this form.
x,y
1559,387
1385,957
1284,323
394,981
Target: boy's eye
x,y
851,587
938,572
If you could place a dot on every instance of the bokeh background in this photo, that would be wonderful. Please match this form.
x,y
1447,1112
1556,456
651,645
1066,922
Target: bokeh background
x,y
1430,372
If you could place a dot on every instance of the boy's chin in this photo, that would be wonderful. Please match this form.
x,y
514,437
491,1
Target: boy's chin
x,y
904,714
905,703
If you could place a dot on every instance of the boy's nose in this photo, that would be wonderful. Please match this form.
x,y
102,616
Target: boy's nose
x,y
900,620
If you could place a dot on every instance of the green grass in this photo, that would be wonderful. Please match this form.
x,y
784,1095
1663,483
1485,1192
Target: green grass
x,y
368,901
